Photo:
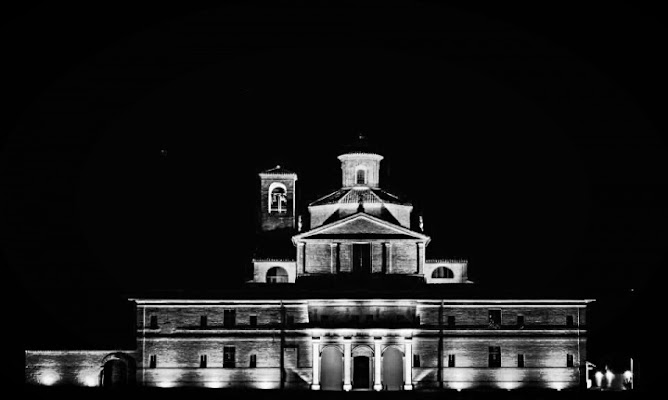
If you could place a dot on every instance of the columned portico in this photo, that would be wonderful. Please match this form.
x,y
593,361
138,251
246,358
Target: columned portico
x,y
408,364
315,385
347,355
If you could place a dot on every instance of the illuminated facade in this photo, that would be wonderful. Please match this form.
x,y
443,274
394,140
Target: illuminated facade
x,y
357,306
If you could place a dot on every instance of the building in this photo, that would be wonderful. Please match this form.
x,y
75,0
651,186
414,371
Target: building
x,y
347,300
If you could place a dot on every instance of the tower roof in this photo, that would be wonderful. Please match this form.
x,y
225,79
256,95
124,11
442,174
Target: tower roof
x,y
278,170
361,145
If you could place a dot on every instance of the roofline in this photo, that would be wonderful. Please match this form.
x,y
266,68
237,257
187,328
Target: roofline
x,y
336,301
321,228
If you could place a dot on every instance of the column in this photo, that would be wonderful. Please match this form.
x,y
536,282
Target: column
x,y
315,385
420,258
347,354
408,364
334,251
377,364
388,251
301,257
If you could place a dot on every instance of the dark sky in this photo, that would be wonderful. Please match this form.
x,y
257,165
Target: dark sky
x,y
529,138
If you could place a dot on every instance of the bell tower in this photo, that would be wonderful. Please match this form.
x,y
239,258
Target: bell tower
x,y
277,199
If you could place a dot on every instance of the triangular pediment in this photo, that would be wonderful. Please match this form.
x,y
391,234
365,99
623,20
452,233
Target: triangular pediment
x,y
361,225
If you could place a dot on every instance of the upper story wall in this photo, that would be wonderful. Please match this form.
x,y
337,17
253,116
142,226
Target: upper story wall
x,y
360,169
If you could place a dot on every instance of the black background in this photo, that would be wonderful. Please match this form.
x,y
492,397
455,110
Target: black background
x,y
530,138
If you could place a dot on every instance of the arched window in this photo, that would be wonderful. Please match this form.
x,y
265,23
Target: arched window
x,y
278,198
443,272
277,275
361,176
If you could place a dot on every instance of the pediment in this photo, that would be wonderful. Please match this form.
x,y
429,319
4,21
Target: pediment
x,y
361,225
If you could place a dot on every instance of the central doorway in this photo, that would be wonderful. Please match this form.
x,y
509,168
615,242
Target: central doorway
x,y
361,372
362,258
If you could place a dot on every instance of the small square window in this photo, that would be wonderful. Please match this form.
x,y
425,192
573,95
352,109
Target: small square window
x,y
416,360
451,360
202,361
520,321
569,360
569,320
253,320
520,360
153,361
494,356
203,321
229,318
253,361
451,320
154,322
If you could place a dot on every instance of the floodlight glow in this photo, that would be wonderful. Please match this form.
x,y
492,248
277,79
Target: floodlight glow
x,y
628,375
49,378
214,385
166,384
609,376
89,380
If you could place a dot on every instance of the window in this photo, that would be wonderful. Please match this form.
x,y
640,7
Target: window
x,y
253,320
228,357
277,275
494,356
569,360
361,176
569,320
202,361
443,272
154,322
229,318
152,361
520,360
291,320
416,360
520,321
278,198
451,360
253,361
451,320
202,321
495,319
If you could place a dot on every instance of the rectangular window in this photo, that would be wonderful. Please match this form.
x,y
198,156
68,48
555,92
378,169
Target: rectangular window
x,y
520,321
416,360
569,360
152,361
495,319
229,318
451,360
154,322
451,320
228,357
253,361
202,361
291,320
494,356
569,320
520,360
253,320
202,321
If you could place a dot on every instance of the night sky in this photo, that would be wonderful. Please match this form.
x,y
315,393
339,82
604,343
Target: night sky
x,y
529,138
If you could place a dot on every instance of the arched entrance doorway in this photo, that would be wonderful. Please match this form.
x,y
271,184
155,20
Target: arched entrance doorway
x,y
362,372
117,370
393,369
331,368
